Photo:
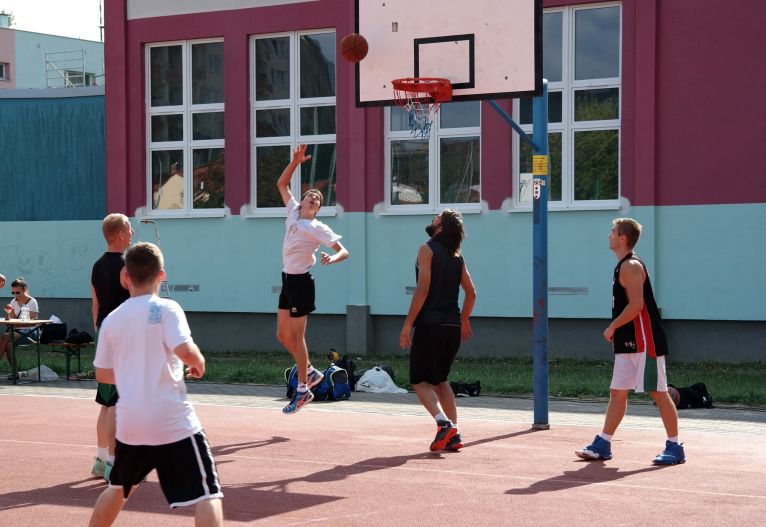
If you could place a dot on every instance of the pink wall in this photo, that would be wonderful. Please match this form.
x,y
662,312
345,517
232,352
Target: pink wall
x,y
8,56
687,133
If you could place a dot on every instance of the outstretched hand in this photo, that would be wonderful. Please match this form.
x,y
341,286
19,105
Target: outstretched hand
x,y
299,154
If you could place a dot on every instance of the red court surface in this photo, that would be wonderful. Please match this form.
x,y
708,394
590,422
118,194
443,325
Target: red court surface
x,y
366,462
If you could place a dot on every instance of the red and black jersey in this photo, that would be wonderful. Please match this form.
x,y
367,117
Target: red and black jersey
x,y
645,332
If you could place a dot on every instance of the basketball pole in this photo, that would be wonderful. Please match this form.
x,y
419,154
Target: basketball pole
x,y
540,168
540,171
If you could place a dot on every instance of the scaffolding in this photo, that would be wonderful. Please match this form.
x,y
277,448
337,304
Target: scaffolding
x,y
66,69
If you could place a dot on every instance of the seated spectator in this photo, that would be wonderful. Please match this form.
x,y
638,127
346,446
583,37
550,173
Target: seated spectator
x,y
20,299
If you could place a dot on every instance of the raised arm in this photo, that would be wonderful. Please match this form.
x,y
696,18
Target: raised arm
x,y
283,183
466,332
425,255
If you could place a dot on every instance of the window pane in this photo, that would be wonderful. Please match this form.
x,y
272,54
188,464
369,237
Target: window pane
x,y
166,76
460,114
409,172
208,178
525,169
269,163
460,170
554,108
399,119
207,125
596,105
207,73
272,123
317,120
597,43
596,155
167,179
167,127
319,171
318,65
552,46
272,68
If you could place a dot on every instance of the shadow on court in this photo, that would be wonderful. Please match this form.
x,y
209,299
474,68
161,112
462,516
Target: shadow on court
x,y
591,472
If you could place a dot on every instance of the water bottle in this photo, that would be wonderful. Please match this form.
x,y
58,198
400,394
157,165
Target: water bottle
x,y
24,315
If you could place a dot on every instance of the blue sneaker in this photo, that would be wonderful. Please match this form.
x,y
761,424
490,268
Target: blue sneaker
x,y
600,448
314,378
672,455
299,401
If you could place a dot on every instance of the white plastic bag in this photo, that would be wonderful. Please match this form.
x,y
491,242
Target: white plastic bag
x,y
376,380
47,374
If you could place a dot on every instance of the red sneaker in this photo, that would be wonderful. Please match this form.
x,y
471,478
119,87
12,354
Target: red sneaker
x,y
444,432
455,443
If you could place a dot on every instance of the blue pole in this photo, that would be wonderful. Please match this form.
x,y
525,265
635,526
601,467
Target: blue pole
x,y
540,171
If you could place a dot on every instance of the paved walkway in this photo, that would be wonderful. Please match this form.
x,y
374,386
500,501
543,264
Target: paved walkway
x,y
510,409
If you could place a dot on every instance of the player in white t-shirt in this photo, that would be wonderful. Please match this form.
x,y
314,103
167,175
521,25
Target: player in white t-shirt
x,y
142,348
20,299
304,234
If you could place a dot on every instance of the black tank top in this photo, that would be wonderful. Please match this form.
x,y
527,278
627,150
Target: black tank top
x,y
645,332
105,278
441,307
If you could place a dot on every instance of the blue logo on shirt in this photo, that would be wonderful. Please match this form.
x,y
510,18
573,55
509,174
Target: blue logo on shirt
x,y
155,314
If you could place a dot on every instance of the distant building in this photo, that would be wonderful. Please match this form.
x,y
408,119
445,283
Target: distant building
x,y
37,60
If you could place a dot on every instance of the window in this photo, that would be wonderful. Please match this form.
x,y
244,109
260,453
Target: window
x,y
425,175
5,71
581,60
79,78
185,128
293,102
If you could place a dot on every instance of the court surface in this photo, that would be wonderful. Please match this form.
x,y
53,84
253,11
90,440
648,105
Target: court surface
x,y
366,462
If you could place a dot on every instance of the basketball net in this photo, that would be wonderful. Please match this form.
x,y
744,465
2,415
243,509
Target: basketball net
x,y
421,98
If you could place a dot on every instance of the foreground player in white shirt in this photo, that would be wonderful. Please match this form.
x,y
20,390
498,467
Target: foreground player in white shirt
x,y
142,348
304,234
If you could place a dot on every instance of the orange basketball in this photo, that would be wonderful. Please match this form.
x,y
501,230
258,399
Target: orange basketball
x,y
353,47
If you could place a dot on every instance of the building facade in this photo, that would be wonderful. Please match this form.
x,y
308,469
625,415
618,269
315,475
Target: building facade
x,y
203,109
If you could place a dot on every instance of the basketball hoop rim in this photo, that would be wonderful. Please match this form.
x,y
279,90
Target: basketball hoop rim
x,y
439,89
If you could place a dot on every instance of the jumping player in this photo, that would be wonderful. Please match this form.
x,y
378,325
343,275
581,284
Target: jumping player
x,y
640,347
439,324
304,234
142,348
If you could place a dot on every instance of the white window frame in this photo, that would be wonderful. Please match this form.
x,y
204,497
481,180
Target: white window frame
x,y
568,126
294,104
188,144
434,167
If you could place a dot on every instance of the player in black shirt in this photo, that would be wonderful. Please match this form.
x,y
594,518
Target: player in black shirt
x,y
108,290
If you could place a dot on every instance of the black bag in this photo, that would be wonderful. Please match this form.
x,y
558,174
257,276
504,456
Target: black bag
x,y
461,389
694,396
53,333
78,337
349,365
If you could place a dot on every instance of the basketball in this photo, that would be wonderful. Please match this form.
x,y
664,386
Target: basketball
x,y
674,395
353,47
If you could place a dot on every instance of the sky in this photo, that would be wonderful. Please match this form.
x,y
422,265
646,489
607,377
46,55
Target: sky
x,y
68,18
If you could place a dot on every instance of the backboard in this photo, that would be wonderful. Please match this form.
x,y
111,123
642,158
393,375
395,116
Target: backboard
x,y
488,49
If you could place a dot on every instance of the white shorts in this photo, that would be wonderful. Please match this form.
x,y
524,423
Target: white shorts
x,y
639,372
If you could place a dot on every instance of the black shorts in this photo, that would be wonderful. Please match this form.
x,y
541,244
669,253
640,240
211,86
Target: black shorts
x,y
186,469
106,394
432,353
297,294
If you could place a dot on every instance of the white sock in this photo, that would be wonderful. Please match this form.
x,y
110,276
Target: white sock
x,y
302,387
673,439
441,416
310,369
110,459
102,453
605,437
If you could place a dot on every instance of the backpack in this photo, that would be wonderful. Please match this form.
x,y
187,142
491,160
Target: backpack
x,y
78,337
52,333
462,389
334,386
349,365
694,396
